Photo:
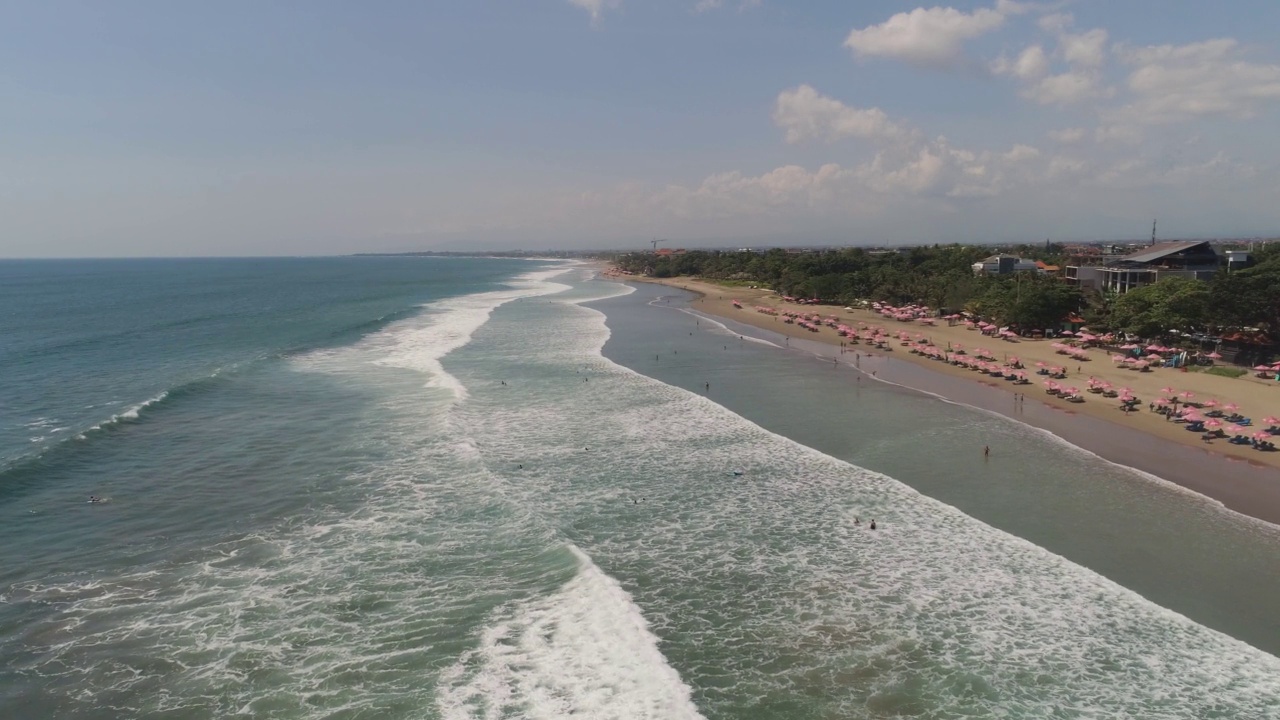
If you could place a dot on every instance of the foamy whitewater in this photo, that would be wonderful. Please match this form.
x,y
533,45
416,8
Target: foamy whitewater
x,y
499,522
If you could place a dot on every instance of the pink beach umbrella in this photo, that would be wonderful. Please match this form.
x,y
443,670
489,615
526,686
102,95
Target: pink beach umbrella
x,y
1211,403
1231,406
1214,356
1261,435
1261,368
1271,420
1167,390
1235,429
1187,395
1214,423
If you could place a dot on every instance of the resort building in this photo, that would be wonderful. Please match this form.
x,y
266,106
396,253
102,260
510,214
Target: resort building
x,y
1190,258
1003,265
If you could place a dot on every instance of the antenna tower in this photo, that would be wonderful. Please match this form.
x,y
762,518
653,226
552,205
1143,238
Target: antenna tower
x,y
1153,232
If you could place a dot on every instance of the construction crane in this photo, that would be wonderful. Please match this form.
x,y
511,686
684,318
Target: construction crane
x,y
655,242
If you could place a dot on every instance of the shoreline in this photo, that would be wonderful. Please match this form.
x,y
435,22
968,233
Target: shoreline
x,y
1239,478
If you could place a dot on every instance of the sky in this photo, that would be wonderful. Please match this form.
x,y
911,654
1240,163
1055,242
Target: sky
x,y
311,127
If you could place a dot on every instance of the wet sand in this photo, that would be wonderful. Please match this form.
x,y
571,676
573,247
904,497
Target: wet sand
x,y
1241,478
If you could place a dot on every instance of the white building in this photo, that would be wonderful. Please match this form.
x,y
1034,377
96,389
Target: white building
x,y
1003,265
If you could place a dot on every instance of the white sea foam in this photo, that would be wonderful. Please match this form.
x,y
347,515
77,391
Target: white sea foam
x,y
421,342
585,651
128,415
725,328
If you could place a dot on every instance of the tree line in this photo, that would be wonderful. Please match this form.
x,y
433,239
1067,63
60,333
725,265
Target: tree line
x,y
942,277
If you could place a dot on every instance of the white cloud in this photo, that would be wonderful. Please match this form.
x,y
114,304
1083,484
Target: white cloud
x,y
1177,82
1010,7
805,114
1127,134
1067,136
1087,49
1021,153
1031,64
595,8
709,5
1057,23
933,36
1066,88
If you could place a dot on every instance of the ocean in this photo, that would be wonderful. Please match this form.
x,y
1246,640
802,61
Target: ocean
x,y
487,488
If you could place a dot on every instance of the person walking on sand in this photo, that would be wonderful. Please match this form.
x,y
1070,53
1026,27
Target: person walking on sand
x,y
986,451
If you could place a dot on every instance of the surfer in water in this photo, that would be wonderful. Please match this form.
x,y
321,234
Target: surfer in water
x,y
94,499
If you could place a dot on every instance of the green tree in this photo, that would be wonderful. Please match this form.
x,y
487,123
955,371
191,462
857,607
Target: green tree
x,y
1176,303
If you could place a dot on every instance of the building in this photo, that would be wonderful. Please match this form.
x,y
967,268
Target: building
x,y
1238,260
1003,265
1194,259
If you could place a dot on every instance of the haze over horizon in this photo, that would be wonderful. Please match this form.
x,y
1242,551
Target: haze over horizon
x,y
148,128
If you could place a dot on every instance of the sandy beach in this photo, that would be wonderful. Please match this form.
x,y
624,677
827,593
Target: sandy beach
x,y
1244,479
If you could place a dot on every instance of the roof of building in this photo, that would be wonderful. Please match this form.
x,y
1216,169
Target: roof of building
x,y
1162,250
1046,267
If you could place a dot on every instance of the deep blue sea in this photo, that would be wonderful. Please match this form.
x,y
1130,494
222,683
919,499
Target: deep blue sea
x,y
482,488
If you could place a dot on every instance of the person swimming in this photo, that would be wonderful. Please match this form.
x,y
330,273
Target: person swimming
x,y
94,499
873,524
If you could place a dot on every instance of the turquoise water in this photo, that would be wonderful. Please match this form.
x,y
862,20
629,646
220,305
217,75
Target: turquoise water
x,y
438,488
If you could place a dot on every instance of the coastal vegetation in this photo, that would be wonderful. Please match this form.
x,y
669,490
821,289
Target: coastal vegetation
x,y
942,277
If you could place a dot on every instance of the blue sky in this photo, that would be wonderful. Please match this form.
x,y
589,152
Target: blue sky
x,y
315,127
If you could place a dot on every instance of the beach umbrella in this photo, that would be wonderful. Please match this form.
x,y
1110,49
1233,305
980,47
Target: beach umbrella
x,y
1235,429
1214,356
1153,348
1013,360
1261,435
1167,390
1271,420
1215,423
1261,368
1210,403
1187,394
1231,406
1066,333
